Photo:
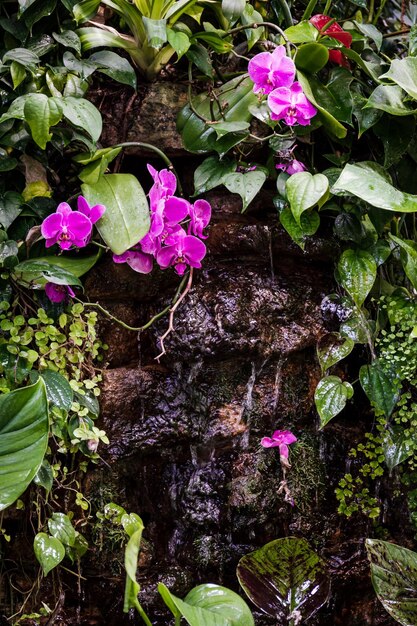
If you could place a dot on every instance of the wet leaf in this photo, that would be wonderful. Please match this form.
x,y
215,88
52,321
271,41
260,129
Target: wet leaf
x,y
309,223
381,387
332,348
58,389
371,187
211,173
61,528
49,551
394,577
357,273
247,185
40,114
39,272
126,219
209,605
408,257
403,72
330,397
44,476
397,447
24,426
305,191
327,119
285,578
389,98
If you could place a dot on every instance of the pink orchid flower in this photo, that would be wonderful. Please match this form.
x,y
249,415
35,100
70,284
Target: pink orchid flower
x,y
67,228
291,105
291,167
92,212
58,293
280,439
269,70
181,250
138,261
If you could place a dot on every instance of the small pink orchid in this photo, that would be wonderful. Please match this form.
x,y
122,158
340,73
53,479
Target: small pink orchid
x,y
165,184
67,228
291,167
58,293
138,261
269,70
200,213
280,439
291,105
181,250
92,212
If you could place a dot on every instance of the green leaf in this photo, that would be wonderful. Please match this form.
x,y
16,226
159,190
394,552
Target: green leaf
x,y
408,257
132,587
61,528
126,219
369,185
247,185
83,114
396,135
24,430
97,164
311,57
76,265
45,476
233,9
41,113
37,10
24,57
305,191
11,204
38,273
285,578
199,55
209,605
223,128
115,66
303,32
251,16
69,39
330,397
329,121
394,577
85,10
18,74
391,99
309,223
49,552
156,31
397,447
332,348
370,31
381,386
179,41
357,273
58,390
234,97
211,173
403,72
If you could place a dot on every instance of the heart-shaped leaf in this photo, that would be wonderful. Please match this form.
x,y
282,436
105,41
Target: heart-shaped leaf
x,y
41,113
381,386
126,219
285,579
49,551
332,348
330,397
247,185
209,605
24,430
211,173
305,191
394,577
397,447
309,223
61,528
357,273
403,72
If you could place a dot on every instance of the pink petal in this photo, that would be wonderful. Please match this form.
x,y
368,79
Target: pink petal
x,y
64,209
283,450
194,250
51,226
142,263
79,225
166,256
267,442
175,210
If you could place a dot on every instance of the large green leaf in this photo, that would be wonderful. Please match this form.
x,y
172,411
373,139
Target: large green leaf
x,y
389,98
381,387
76,265
58,389
209,605
394,577
49,551
330,397
367,184
286,579
126,219
37,273
332,348
247,185
305,191
133,526
234,97
357,272
211,173
403,72
41,113
408,258
83,114
328,120
24,427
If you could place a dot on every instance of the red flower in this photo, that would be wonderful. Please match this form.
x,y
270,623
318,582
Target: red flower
x,y
337,32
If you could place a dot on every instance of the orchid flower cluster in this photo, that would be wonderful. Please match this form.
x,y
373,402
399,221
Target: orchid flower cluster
x,y
273,74
177,228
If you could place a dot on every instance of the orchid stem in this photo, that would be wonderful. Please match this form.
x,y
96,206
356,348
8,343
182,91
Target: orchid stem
x,y
96,305
162,155
172,313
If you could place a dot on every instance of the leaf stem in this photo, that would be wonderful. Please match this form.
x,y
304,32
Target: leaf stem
x,y
286,11
142,613
309,9
160,153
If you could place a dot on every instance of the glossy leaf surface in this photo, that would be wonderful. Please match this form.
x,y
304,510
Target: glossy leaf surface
x,y
330,397
49,551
